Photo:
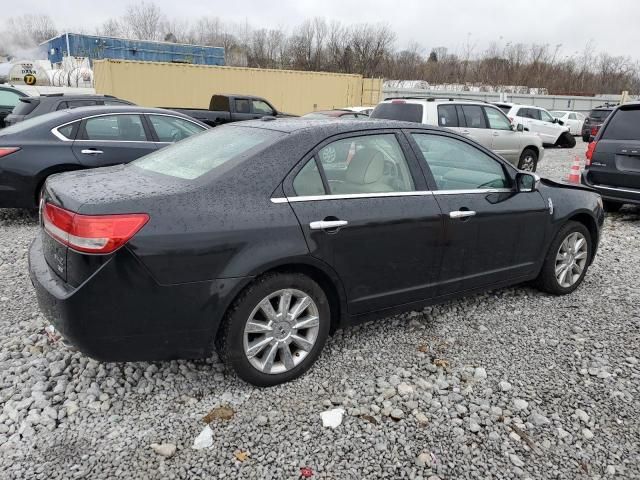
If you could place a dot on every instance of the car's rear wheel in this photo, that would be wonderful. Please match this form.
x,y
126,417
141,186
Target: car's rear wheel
x,y
566,140
528,160
585,138
610,206
276,329
567,260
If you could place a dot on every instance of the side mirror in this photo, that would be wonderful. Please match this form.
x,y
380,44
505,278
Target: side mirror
x,y
527,182
520,127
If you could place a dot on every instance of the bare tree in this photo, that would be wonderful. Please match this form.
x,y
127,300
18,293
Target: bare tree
x,y
144,20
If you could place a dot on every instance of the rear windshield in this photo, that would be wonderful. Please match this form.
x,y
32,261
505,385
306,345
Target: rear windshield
x,y
25,107
408,112
624,125
599,114
204,152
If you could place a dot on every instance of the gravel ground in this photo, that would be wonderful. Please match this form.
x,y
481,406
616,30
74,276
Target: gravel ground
x,y
508,384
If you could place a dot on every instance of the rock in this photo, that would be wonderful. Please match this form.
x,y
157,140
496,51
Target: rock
x,y
57,368
332,418
588,434
397,414
261,420
389,393
405,389
421,418
480,374
474,427
504,386
519,404
632,361
494,436
482,328
424,460
538,420
582,415
204,439
516,460
164,449
562,433
611,470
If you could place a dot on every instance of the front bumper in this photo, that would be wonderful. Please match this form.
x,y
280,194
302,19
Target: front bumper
x,y
612,193
120,313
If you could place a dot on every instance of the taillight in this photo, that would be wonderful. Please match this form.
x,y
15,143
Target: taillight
x,y
4,151
511,119
398,101
91,233
594,131
591,148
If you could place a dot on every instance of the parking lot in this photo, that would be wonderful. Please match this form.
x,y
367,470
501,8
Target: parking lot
x,y
508,384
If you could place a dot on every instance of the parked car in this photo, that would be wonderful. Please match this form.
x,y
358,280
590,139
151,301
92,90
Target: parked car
x,y
573,120
240,237
232,108
539,121
613,158
366,110
9,98
84,137
29,107
342,114
596,118
481,121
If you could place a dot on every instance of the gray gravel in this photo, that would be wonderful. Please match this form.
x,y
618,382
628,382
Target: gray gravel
x,y
508,384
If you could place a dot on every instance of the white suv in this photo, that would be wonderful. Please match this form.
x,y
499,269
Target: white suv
x,y
483,122
539,121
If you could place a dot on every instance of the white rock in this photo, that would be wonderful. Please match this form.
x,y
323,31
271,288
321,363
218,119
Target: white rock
x,y
474,427
332,418
611,470
405,389
516,460
204,439
164,449
424,460
504,386
562,433
582,415
421,418
520,404
586,433
537,419
397,414
480,374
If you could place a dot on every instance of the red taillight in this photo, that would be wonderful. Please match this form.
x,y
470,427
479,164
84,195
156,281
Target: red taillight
x,y
4,151
398,101
594,131
91,233
590,149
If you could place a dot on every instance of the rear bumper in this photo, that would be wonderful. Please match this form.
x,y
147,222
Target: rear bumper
x,y
120,313
613,193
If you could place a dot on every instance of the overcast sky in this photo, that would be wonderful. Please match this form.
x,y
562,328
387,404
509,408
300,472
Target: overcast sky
x,y
612,25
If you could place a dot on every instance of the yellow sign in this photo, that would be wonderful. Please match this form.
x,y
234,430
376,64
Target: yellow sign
x,y
30,79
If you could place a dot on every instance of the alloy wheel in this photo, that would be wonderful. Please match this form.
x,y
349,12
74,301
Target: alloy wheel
x,y
527,164
571,259
281,331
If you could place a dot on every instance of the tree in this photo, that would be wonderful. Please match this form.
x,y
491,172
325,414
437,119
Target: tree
x,y
144,21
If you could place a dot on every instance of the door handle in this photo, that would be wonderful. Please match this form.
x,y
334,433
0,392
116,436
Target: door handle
x,y
327,224
91,151
462,214
465,132
495,134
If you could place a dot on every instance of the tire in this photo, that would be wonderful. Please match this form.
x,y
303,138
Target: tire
x,y
234,342
566,140
528,160
547,280
610,206
585,138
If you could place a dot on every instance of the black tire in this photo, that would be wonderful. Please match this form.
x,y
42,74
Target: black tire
x,y
610,206
585,138
547,281
230,340
528,160
566,140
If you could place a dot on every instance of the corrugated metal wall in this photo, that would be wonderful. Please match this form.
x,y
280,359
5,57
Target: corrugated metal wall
x,y
175,85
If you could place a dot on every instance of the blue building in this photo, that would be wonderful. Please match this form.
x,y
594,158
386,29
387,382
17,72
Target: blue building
x,y
98,47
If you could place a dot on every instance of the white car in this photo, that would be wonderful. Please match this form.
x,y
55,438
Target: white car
x,y
573,120
539,121
365,110
480,121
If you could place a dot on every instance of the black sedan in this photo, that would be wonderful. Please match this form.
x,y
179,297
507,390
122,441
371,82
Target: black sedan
x,y
244,238
81,138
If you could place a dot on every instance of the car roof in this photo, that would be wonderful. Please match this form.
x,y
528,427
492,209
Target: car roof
x,y
334,113
73,96
296,124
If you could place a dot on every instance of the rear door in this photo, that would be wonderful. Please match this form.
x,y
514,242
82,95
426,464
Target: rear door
x,y
505,141
616,160
549,131
474,124
370,218
112,139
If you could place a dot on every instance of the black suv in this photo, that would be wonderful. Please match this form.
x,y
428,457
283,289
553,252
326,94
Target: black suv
x,y
613,158
596,118
29,107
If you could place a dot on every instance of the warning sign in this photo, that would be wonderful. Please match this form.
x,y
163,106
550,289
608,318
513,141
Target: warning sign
x,y
29,79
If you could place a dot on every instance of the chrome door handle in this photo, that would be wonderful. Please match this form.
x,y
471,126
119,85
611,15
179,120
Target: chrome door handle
x,y
324,224
462,214
495,134
91,152
465,132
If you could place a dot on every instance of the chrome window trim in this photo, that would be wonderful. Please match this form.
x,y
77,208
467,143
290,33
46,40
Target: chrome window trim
x,y
417,193
58,135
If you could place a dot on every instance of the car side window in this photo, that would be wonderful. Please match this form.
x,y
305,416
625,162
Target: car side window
x,y
242,105
308,181
173,129
80,103
572,116
456,165
447,116
474,116
261,107
544,116
62,106
69,131
115,128
8,98
366,164
497,119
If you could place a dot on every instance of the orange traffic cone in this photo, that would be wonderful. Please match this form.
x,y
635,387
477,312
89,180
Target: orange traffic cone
x,y
574,173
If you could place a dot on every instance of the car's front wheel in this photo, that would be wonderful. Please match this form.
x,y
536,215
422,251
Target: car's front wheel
x,y
528,160
276,329
566,140
585,137
567,260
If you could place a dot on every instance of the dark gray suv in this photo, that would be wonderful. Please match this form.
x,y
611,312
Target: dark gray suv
x,y
28,107
613,158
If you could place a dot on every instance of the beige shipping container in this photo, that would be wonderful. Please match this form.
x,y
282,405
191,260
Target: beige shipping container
x,y
155,84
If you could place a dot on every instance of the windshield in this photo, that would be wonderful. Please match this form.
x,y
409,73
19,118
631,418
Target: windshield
x,y
599,114
34,122
557,113
408,112
204,152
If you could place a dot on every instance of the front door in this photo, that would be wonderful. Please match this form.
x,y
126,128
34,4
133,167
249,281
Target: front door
x,y
491,233
505,141
362,207
112,139
473,124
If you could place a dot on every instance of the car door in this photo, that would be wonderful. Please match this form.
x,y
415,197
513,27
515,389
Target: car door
x,y
370,219
243,109
261,108
571,121
549,130
528,118
492,234
473,124
505,141
111,139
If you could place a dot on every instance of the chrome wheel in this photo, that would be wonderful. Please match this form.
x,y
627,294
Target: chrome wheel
x,y
571,259
281,331
527,163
